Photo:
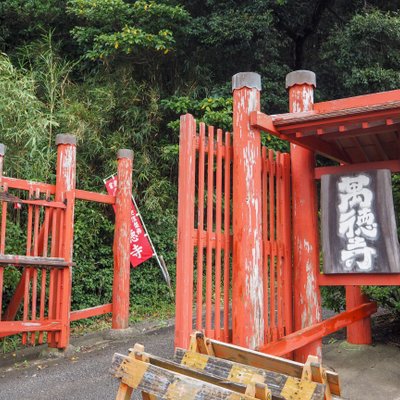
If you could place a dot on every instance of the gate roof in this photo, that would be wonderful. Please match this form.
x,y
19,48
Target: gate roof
x,y
353,130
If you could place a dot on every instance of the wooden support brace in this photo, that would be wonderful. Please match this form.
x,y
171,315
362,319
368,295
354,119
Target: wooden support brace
x,y
262,381
200,344
268,362
314,372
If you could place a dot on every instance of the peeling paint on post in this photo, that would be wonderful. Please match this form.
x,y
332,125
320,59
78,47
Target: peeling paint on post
x,y
65,192
247,287
123,202
307,309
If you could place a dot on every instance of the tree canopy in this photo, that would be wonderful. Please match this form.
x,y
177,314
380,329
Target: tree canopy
x,y
118,73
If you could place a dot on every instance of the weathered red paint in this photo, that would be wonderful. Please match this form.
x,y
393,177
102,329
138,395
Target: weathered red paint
x,y
307,308
123,201
185,251
303,337
247,269
65,192
360,331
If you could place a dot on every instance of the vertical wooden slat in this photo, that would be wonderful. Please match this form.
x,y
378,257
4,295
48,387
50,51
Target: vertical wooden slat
x,y
287,245
36,211
52,305
3,223
266,244
3,228
218,222
272,266
278,242
28,270
227,230
209,250
185,252
44,251
200,229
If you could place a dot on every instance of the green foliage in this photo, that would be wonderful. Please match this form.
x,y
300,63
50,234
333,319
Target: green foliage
x,y
215,111
386,296
365,54
112,27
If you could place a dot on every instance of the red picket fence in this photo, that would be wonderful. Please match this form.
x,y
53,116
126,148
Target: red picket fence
x,y
204,245
46,212
277,251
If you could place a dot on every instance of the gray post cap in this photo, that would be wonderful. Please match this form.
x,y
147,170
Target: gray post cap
x,y
301,77
65,139
2,149
125,153
246,79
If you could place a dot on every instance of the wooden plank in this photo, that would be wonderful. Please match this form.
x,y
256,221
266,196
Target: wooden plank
x,y
10,259
166,384
93,196
118,359
11,327
393,165
263,122
281,385
358,101
359,280
359,234
266,361
90,312
317,331
22,184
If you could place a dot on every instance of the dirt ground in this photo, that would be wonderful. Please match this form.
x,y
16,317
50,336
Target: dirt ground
x,y
366,372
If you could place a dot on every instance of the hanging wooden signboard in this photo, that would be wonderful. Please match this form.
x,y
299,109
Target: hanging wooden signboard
x,y
358,223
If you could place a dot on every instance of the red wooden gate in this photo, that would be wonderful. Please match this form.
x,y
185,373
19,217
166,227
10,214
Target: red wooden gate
x,y
46,213
204,246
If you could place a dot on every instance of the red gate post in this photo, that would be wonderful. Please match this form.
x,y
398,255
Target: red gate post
x,y
307,309
65,192
123,206
247,269
184,258
359,332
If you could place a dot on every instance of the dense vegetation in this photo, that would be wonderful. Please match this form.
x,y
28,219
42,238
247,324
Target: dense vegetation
x,y
118,73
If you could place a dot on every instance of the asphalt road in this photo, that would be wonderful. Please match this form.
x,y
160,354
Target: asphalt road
x,y
366,372
83,375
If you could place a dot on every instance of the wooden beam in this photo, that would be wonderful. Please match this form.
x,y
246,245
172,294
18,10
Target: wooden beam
x,y
280,385
308,335
270,362
359,280
167,384
393,165
358,101
264,122
44,262
90,312
13,327
93,196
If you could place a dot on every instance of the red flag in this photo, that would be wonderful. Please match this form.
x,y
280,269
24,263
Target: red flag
x,y
140,246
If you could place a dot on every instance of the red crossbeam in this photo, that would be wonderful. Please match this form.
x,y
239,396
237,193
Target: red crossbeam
x,y
308,335
13,327
90,312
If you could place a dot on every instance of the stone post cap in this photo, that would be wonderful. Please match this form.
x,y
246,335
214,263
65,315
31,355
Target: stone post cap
x,y
65,139
2,149
301,77
246,79
125,153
